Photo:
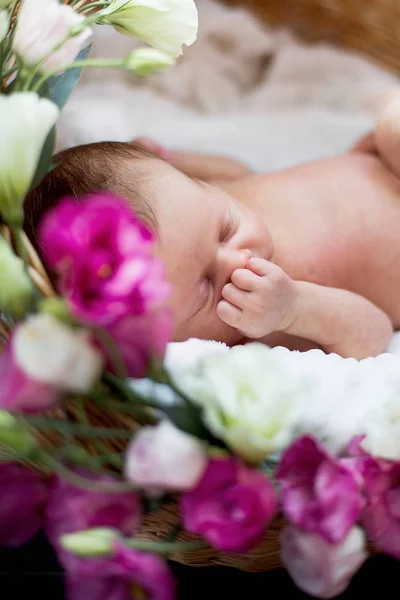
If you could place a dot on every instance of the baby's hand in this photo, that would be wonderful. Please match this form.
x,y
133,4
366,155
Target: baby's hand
x,y
259,300
153,147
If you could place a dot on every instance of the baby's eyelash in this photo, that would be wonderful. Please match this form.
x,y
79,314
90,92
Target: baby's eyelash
x,y
203,297
228,228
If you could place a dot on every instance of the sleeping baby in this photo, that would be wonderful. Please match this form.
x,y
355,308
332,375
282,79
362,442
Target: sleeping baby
x,y
305,258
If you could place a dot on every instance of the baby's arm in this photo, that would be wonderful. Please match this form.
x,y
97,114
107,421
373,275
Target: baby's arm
x,y
262,298
206,167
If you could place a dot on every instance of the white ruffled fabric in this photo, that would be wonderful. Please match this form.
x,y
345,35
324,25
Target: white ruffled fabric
x,y
338,398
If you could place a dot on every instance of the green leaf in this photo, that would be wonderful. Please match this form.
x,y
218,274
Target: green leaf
x,y
61,86
45,165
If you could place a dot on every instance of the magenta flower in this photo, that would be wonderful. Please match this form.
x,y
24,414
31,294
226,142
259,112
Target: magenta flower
x,y
126,575
231,506
73,509
103,256
381,517
320,494
142,338
23,498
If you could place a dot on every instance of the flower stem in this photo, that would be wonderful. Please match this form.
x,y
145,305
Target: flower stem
x,y
165,548
82,483
95,63
78,428
113,352
86,7
12,27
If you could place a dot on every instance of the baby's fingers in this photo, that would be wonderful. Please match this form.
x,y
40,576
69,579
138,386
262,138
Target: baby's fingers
x,y
228,313
245,279
260,266
235,296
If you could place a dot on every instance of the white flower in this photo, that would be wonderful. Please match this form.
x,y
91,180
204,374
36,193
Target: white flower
x,y
144,61
382,428
49,352
3,24
41,25
164,24
165,458
15,285
318,568
248,397
25,122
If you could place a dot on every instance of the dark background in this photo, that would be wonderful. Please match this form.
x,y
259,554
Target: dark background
x,y
34,571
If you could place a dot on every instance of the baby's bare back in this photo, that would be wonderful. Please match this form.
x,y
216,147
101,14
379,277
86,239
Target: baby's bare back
x,y
335,222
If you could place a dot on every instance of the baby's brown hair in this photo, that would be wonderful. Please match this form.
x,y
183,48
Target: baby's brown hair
x,y
118,167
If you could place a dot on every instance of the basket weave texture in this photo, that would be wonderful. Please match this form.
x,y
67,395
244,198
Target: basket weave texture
x,y
370,26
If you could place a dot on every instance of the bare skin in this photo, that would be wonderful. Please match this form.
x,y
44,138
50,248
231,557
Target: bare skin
x,y
308,257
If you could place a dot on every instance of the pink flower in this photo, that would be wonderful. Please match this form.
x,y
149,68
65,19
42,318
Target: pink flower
x,y
102,254
142,338
165,458
318,568
23,498
19,392
231,507
319,494
381,517
126,575
38,31
43,358
73,509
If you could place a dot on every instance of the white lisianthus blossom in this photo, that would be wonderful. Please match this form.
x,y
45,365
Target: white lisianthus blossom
x,y
3,24
47,351
15,285
248,398
382,428
164,458
164,24
145,61
41,26
25,122
320,569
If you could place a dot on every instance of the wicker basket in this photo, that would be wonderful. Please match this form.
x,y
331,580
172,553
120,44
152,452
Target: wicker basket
x,y
371,26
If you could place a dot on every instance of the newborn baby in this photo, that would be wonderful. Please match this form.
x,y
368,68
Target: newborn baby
x,y
308,257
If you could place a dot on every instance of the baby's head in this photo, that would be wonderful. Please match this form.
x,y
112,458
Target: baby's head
x,y
203,234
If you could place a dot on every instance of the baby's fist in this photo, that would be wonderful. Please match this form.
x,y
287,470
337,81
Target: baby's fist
x,y
259,300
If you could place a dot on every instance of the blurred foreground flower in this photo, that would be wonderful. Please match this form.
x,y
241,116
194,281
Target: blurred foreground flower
x,y
103,255
246,396
125,575
25,122
145,61
15,285
319,493
165,24
44,25
164,458
381,517
23,498
43,358
231,507
318,568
